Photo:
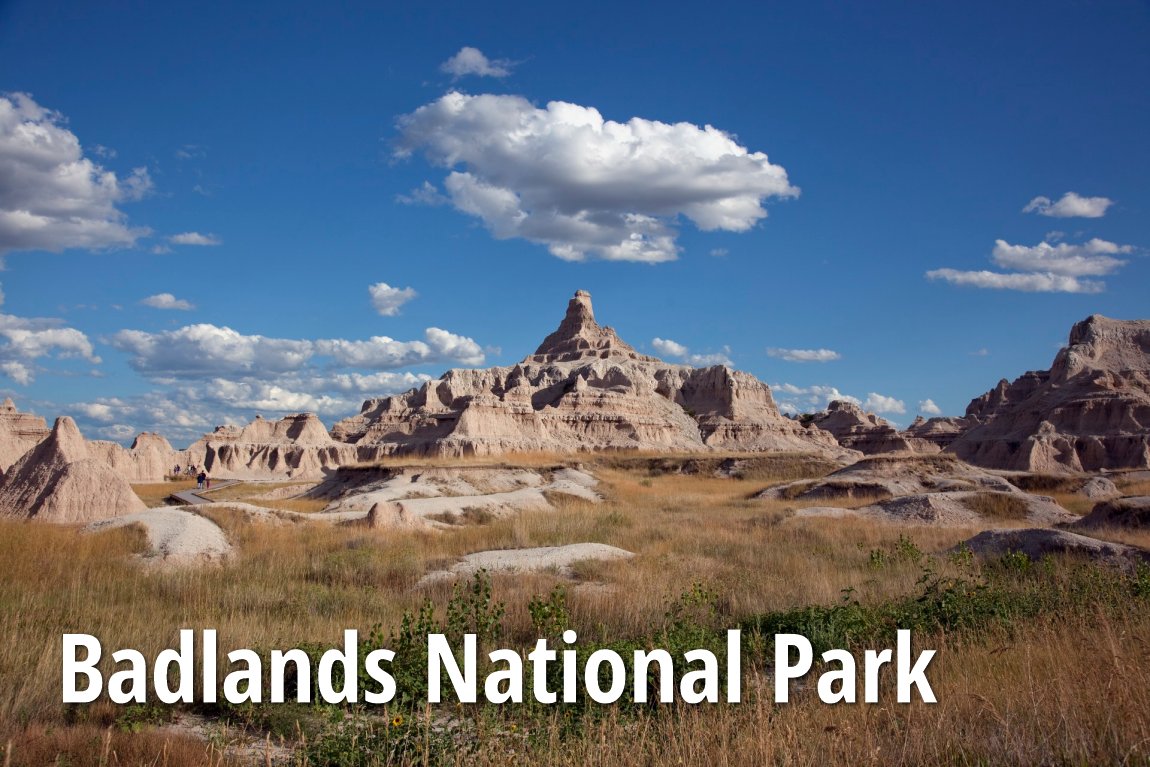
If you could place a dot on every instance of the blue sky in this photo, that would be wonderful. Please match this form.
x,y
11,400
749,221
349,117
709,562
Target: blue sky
x,y
208,212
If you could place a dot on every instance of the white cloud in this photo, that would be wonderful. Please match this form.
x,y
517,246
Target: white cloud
x,y
118,432
97,411
1043,268
194,238
983,352
387,300
1093,258
17,371
1031,283
799,399
669,348
1070,205
719,253
52,197
167,301
374,383
587,187
424,194
184,411
804,355
471,61
381,352
23,340
877,403
204,350
928,407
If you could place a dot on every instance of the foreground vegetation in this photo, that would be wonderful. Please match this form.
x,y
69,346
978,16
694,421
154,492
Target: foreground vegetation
x,y
1037,662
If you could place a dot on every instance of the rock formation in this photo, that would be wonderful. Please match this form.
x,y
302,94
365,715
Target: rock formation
x,y
19,433
60,481
584,388
940,431
1037,543
1132,511
857,429
1090,411
149,459
296,446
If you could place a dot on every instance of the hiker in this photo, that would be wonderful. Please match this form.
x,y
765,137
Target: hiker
x,y
207,482
200,478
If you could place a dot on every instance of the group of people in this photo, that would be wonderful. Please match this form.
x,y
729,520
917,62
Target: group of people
x,y
203,481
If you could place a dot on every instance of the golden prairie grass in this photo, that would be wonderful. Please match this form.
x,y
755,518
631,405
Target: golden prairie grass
x,y
1047,692
1042,694
250,492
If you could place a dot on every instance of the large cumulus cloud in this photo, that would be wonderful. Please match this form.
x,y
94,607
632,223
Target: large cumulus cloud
x,y
587,187
52,197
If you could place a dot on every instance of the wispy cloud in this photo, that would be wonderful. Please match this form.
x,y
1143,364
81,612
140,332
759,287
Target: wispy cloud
x,y
1070,205
676,350
804,355
1043,268
167,301
194,238
471,61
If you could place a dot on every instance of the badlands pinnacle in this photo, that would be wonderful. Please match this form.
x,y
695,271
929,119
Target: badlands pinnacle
x,y
583,389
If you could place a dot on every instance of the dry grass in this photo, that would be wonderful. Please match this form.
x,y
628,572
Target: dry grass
x,y
1057,692
997,505
249,492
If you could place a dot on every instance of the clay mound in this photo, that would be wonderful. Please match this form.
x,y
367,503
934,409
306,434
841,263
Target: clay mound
x,y
857,429
391,515
1037,543
1099,488
892,475
1133,511
19,433
176,537
59,481
583,390
1090,411
954,509
557,558
440,498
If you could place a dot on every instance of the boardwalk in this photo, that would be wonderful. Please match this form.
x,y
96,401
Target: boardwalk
x,y
195,497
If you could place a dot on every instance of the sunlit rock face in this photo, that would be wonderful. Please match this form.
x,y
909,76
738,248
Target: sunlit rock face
x,y
1090,411
583,389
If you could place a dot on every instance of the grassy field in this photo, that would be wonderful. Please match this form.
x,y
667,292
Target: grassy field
x,y
1042,664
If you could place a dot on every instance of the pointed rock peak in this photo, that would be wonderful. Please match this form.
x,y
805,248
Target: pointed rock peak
x,y
66,440
579,337
8,406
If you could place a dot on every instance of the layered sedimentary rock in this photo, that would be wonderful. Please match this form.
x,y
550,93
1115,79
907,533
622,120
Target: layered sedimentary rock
x,y
19,433
940,431
296,446
584,388
1090,411
150,458
857,429
60,481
